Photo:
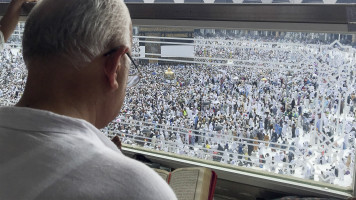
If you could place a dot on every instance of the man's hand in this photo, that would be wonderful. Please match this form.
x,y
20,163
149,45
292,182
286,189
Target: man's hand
x,y
116,140
20,2
15,5
9,21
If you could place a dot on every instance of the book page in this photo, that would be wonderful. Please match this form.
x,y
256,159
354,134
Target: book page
x,y
191,183
163,173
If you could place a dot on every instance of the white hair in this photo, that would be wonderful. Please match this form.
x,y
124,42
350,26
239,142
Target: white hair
x,y
75,31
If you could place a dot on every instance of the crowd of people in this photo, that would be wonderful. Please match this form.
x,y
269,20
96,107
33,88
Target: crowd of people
x,y
286,108
13,76
251,112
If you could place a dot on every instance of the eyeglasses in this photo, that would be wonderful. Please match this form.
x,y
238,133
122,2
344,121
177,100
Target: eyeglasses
x,y
134,73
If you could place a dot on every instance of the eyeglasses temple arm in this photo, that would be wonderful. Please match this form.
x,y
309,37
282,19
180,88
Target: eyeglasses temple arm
x,y
133,62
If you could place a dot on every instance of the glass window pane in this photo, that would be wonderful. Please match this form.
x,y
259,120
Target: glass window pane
x,y
275,102
279,102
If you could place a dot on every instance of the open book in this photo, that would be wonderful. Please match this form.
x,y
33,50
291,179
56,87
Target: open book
x,y
194,183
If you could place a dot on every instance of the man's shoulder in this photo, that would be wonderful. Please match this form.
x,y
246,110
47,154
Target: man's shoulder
x,y
137,179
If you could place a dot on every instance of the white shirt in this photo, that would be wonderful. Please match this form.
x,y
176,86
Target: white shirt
x,y
49,156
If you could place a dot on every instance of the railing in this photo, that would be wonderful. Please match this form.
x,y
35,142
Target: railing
x,y
230,155
140,138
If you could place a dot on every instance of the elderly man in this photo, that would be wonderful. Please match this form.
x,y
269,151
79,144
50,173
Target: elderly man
x,y
77,55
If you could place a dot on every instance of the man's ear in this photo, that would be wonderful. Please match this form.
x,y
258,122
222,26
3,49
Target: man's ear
x,y
112,64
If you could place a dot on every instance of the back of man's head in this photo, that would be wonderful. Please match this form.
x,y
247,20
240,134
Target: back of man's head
x,y
75,31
